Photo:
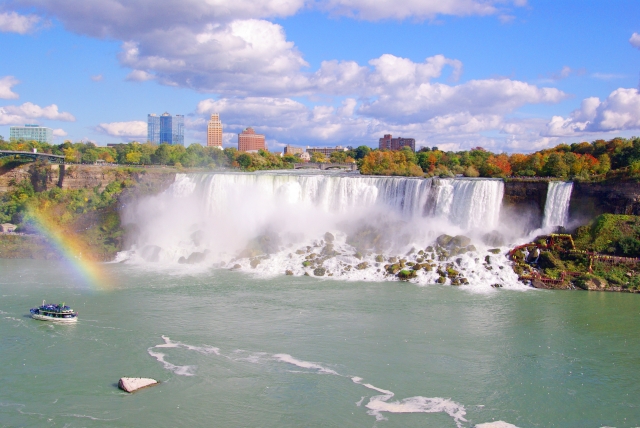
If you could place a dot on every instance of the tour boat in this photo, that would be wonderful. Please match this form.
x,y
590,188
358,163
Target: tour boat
x,y
50,312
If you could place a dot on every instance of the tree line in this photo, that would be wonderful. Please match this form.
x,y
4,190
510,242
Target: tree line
x,y
600,158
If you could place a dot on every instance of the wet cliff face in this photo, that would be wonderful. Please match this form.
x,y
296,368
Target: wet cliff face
x,y
589,200
527,199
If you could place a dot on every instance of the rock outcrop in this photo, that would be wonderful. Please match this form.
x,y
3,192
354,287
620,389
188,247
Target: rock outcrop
x,y
132,384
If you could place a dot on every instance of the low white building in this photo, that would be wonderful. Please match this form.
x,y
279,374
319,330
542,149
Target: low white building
x,y
8,228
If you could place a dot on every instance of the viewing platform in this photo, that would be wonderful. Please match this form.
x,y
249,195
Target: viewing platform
x,y
326,166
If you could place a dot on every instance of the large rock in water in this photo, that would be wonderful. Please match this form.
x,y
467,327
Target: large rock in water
x,y
131,384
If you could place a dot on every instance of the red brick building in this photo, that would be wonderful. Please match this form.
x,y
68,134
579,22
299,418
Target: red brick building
x,y
388,143
248,140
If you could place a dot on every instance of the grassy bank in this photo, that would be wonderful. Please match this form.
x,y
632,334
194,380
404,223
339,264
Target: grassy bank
x,y
603,255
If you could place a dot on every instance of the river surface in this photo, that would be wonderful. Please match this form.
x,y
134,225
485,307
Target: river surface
x,y
232,349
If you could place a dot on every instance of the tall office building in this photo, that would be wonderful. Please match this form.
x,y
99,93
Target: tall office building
x,y
214,131
388,143
37,133
153,128
165,129
248,140
177,135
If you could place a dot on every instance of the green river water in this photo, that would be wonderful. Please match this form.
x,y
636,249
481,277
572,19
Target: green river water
x,y
237,350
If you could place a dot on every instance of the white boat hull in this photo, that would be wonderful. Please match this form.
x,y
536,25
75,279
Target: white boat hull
x,y
61,320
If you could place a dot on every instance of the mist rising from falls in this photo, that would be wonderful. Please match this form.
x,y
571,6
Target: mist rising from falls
x,y
275,221
556,209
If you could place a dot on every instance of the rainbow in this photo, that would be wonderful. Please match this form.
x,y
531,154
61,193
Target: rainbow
x,y
73,250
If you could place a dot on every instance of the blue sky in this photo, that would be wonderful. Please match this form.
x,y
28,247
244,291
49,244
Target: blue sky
x,y
508,75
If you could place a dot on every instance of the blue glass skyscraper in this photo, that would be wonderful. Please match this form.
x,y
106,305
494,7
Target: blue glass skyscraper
x,y
165,129
153,128
178,129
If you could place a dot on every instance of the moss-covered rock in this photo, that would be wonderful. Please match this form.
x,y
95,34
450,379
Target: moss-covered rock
x,y
319,271
590,282
361,266
394,268
460,241
549,260
406,275
444,240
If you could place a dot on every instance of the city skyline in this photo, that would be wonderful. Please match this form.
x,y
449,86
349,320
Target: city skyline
x,y
509,75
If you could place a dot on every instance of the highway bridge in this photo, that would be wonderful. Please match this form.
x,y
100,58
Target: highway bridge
x,y
33,156
326,166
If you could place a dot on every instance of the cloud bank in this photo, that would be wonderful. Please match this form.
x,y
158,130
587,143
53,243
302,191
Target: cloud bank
x,y
11,22
124,130
6,83
27,112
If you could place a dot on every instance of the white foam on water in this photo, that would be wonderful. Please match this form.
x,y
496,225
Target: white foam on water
x,y
496,424
179,370
93,418
378,405
201,349
286,358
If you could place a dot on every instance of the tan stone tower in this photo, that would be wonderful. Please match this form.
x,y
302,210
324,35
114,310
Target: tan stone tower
x,y
214,131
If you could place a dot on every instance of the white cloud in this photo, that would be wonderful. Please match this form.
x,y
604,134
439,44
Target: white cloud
x,y
18,115
59,132
139,76
635,40
125,130
129,19
420,102
97,78
11,22
620,111
419,9
286,120
608,76
6,83
565,72
241,57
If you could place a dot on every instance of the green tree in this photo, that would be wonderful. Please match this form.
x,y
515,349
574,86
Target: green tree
x,y
244,159
556,166
338,157
360,152
318,157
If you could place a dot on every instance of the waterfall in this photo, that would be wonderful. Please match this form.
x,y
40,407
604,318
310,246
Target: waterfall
x,y
276,219
556,210
465,203
470,203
